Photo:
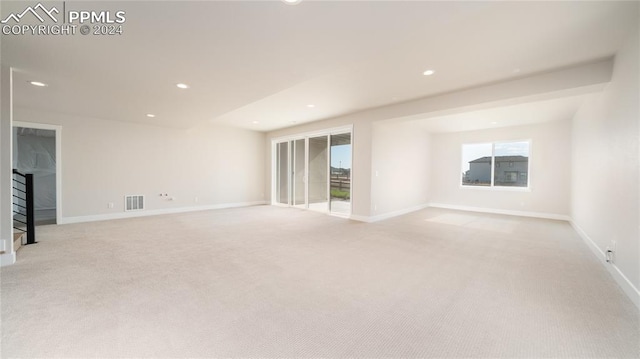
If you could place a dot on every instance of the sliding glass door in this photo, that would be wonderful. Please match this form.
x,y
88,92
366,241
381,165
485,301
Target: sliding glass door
x,y
282,173
318,160
341,173
314,172
299,169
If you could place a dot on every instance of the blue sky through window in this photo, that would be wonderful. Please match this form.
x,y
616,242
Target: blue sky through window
x,y
341,156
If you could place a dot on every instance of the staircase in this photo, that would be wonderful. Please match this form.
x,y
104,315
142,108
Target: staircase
x,y
23,208
17,240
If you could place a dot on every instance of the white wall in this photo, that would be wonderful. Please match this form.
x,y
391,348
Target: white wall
x,y
605,186
102,161
400,168
549,175
579,79
6,147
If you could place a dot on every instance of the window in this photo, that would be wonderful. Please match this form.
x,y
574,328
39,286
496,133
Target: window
x,y
499,164
476,164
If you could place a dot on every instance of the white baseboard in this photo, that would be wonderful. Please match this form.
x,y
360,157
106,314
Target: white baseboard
x,y
401,212
7,259
507,212
381,217
155,212
630,290
358,218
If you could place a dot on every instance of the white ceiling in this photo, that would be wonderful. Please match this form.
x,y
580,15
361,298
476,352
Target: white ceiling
x,y
266,61
505,116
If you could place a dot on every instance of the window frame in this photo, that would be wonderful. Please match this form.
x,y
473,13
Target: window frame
x,y
493,186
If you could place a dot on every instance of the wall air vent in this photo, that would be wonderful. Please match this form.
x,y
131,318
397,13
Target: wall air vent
x,y
133,203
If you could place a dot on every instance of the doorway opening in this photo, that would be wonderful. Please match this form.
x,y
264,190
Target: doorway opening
x,y
314,171
36,150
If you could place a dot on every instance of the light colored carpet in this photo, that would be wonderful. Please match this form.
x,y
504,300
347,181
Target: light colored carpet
x,y
281,282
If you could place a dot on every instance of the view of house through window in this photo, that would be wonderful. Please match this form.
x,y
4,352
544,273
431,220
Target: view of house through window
x,y
476,164
500,164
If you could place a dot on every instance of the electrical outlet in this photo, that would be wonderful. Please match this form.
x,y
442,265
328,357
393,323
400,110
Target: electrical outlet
x,y
110,205
610,252
195,199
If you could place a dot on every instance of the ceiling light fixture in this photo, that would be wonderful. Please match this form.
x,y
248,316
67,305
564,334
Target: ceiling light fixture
x,y
151,115
429,72
38,83
255,122
311,106
291,2
494,123
183,86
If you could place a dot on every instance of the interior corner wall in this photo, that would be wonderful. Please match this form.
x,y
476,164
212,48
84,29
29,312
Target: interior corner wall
x,y
549,171
102,161
400,168
605,187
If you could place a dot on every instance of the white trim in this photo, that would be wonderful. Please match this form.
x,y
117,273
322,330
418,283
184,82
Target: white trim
x,y
337,214
627,287
381,217
155,212
496,188
401,212
359,218
274,176
559,217
58,131
316,133
493,186
7,259
290,140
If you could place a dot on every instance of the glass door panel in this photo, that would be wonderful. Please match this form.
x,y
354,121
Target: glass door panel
x,y
282,172
318,180
341,173
299,164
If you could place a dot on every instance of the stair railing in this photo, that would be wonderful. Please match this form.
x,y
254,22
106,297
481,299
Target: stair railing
x,y
23,207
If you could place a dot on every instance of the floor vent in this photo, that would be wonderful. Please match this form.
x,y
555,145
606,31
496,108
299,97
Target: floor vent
x,y
134,203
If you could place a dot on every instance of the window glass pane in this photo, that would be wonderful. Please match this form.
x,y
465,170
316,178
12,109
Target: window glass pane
x,y
318,173
511,164
282,168
341,173
476,165
299,162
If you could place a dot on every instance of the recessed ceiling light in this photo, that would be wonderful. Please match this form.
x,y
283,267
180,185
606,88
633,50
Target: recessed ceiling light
x,y
494,123
151,115
183,86
291,2
429,72
311,106
255,122
38,83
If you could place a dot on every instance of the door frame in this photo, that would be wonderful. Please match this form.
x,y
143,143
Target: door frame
x,y
58,130
306,135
